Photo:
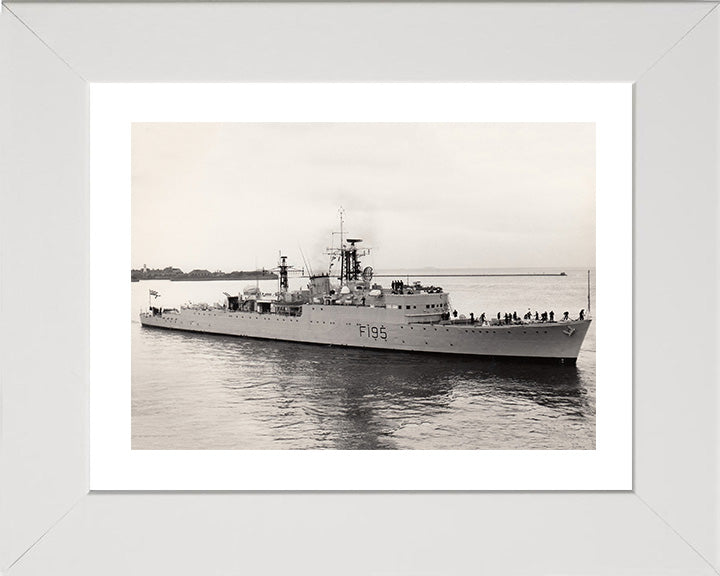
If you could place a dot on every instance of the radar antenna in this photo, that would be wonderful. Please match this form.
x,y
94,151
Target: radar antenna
x,y
348,254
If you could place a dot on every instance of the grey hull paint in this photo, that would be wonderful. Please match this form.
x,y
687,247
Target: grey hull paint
x,y
378,328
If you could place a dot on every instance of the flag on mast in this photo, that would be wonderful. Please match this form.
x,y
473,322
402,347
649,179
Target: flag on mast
x,y
154,293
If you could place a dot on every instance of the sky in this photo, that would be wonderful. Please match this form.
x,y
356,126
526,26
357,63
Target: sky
x,y
452,195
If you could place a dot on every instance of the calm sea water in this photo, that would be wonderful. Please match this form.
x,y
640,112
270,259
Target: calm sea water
x,y
196,391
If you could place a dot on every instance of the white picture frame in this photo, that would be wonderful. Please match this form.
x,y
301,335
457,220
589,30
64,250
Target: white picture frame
x,y
49,523
115,466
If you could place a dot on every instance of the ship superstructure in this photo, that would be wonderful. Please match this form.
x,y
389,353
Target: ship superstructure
x,y
352,310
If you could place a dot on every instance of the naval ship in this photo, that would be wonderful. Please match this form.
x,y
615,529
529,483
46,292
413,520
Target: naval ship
x,y
352,310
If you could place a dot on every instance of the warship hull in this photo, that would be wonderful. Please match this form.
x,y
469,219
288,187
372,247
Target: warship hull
x,y
379,328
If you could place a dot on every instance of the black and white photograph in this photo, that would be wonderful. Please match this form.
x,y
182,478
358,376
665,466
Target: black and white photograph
x,y
363,286
293,277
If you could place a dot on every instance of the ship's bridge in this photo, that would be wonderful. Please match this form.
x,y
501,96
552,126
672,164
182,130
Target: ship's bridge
x,y
419,306
379,305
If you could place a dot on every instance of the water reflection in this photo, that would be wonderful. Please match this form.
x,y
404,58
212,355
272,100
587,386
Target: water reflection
x,y
414,375
319,396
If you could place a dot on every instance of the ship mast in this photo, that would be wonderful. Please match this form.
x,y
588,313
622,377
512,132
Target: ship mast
x,y
349,256
284,270
342,221
283,273
351,259
342,240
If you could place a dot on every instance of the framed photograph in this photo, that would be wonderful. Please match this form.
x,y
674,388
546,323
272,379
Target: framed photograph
x,y
247,141
242,175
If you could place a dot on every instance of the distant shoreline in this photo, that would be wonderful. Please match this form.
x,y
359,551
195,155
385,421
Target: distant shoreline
x,y
177,275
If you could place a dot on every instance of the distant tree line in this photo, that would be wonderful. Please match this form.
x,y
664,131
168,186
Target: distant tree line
x,y
176,274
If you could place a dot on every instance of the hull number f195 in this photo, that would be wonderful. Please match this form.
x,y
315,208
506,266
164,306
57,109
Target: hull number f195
x,y
370,331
